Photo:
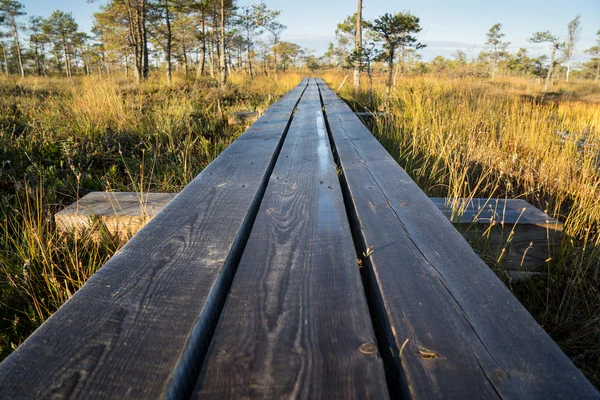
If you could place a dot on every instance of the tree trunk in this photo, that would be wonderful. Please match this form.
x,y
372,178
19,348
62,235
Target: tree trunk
x,y
223,63
43,60
568,69
388,88
6,59
132,21
57,59
18,47
69,66
358,44
396,73
38,64
370,84
216,47
230,64
551,68
145,58
597,70
266,72
186,62
67,56
140,36
202,22
249,59
134,24
211,59
275,56
403,61
494,63
169,43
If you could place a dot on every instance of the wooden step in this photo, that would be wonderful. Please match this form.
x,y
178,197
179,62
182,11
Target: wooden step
x,y
122,213
523,237
242,117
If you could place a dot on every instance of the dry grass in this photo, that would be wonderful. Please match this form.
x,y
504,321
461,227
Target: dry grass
x,y
60,139
465,138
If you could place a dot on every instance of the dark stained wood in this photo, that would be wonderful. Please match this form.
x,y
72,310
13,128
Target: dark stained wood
x,y
523,236
454,329
138,328
296,323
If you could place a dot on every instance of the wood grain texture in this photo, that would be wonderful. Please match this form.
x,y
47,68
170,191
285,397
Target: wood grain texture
x,y
462,332
137,328
296,323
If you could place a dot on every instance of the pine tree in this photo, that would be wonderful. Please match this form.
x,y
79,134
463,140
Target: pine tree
x,y
548,37
127,19
267,19
10,10
497,46
574,30
395,31
61,30
247,21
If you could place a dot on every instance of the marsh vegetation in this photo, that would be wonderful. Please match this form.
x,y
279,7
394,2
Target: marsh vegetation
x,y
61,139
468,138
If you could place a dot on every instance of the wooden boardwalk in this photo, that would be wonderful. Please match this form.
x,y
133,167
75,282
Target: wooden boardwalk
x,y
248,284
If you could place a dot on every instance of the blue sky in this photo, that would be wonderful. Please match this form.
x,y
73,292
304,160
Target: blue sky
x,y
448,25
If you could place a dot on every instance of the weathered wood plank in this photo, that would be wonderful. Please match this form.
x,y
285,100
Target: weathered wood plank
x,y
296,323
122,213
461,331
138,327
521,235
242,117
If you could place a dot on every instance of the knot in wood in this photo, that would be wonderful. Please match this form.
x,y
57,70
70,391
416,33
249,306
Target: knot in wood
x,y
501,374
368,348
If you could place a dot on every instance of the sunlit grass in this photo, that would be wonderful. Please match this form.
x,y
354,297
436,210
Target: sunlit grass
x,y
465,138
60,139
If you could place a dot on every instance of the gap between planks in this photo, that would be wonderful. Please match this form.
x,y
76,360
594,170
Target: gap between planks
x,y
139,327
182,382
477,349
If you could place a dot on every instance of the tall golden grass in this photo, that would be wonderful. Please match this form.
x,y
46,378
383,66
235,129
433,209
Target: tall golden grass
x,y
60,139
465,138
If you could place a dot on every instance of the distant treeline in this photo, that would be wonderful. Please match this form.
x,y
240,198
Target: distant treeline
x,y
214,37
207,37
494,60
